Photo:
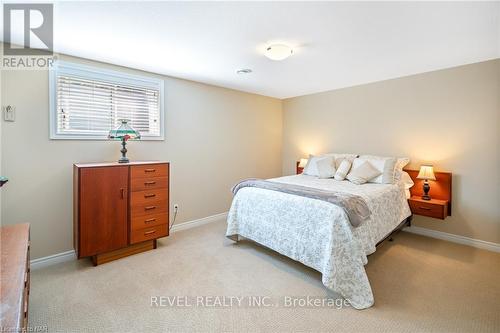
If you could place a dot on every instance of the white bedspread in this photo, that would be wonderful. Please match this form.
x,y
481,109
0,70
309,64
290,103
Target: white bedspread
x,y
319,234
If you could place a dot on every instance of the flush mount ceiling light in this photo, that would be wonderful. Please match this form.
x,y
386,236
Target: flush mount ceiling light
x,y
278,52
244,71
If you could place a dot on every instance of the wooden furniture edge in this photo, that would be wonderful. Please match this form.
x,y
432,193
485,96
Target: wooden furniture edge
x,y
76,208
109,164
123,252
441,188
15,281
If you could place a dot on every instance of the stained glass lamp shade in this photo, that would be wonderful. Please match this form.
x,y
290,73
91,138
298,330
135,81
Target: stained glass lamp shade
x,y
124,132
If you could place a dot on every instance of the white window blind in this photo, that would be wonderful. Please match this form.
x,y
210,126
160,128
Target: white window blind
x,y
89,102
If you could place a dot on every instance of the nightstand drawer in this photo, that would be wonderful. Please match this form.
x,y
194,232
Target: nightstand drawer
x,y
141,235
430,209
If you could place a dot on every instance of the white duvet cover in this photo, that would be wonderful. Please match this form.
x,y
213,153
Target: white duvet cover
x,y
319,234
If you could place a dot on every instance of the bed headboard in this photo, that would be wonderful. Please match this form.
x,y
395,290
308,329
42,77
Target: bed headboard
x,y
440,188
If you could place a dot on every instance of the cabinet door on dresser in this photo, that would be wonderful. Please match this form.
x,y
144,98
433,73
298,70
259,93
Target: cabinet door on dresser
x,y
102,209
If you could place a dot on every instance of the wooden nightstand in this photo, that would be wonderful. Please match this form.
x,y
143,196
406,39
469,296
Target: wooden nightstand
x,y
440,205
298,169
433,208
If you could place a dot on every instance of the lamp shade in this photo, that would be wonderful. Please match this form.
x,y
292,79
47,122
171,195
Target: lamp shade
x,y
426,172
303,162
124,131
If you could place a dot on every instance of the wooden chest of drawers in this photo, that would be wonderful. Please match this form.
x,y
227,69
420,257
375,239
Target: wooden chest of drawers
x,y
119,209
15,277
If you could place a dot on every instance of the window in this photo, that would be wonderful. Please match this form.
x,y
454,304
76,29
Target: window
x,y
86,102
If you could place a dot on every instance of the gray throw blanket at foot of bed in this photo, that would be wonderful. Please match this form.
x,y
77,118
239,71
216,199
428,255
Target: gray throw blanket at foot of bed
x,y
355,207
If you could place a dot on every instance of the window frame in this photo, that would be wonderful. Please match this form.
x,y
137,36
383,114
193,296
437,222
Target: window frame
x,y
97,73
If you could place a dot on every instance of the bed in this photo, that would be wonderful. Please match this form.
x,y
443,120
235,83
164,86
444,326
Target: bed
x,y
318,233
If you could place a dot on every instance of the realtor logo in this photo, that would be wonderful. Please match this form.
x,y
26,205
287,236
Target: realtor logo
x,y
28,29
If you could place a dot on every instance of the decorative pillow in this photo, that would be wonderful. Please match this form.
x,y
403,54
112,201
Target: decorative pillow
x,y
343,169
386,166
363,173
326,167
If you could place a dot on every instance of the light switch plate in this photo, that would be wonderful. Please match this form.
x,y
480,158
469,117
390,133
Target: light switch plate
x,y
9,113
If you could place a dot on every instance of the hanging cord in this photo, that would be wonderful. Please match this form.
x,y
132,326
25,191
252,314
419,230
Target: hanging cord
x,y
176,209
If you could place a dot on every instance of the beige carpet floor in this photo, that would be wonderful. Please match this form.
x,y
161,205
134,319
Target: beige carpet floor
x,y
420,285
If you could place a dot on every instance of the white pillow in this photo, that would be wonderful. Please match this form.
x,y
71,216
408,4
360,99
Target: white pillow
x,y
326,167
386,166
340,157
311,167
363,173
343,169
398,170
402,162
406,180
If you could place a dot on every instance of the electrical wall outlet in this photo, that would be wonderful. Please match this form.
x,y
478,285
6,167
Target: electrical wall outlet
x,y
9,113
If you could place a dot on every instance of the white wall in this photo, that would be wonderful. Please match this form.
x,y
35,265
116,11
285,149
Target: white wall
x,y
214,137
449,118
1,122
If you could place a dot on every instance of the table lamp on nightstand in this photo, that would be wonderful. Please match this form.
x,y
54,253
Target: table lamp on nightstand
x,y
302,162
301,165
426,172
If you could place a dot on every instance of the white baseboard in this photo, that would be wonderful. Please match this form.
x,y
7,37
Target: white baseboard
x,y
198,222
71,255
52,260
480,244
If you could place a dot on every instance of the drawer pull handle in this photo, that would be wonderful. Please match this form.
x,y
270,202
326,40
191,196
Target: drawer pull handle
x,y
149,207
425,208
149,232
149,195
149,170
149,183
150,220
